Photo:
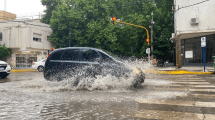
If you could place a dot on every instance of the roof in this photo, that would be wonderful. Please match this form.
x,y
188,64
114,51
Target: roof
x,y
27,21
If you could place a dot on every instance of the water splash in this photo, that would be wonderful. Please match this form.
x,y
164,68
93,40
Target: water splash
x,y
86,79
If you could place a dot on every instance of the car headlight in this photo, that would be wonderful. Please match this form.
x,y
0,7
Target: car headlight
x,y
136,70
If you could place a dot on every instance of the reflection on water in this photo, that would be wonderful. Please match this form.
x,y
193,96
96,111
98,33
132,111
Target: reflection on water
x,y
29,96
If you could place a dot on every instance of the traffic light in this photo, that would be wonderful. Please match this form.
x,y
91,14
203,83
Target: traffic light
x,y
53,48
147,41
114,20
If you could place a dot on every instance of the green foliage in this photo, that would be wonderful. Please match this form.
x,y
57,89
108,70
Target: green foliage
x,y
87,23
4,51
50,6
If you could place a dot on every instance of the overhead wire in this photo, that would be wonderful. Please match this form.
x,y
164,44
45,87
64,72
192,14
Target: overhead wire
x,y
192,5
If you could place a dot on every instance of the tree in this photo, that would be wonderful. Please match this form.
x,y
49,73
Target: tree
x,y
50,6
163,29
87,23
4,51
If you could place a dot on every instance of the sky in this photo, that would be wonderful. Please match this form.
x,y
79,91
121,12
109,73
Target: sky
x,y
23,7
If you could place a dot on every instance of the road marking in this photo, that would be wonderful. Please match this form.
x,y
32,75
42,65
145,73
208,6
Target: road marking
x,y
171,115
177,102
192,82
203,90
204,95
187,80
171,85
203,86
171,89
194,78
168,93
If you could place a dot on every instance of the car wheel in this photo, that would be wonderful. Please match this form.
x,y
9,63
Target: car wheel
x,y
40,68
3,76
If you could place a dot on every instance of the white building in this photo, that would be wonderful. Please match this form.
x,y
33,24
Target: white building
x,y
27,39
194,19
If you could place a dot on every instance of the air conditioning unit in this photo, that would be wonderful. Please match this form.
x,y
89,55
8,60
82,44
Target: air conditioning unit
x,y
194,21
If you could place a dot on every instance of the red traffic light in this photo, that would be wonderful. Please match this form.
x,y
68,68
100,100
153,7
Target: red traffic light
x,y
53,48
147,40
113,18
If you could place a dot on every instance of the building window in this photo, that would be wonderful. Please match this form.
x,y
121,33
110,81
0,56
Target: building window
x,y
0,36
48,38
37,37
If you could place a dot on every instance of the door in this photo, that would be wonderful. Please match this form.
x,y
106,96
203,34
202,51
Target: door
x,y
71,62
53,66
110,66
90,62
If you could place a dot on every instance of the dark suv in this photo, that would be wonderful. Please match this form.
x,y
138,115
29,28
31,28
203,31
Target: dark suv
x,y
85,62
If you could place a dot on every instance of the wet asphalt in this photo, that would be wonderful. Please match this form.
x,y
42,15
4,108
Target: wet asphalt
x,y
28,96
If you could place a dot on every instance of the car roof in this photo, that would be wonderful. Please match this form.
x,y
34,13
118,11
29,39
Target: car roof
x,y
79,48
76,48
82,48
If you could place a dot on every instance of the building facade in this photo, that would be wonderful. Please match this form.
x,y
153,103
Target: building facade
x,y
193,20
4,16
27,39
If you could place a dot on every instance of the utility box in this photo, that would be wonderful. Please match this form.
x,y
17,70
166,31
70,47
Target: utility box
x,y
213,58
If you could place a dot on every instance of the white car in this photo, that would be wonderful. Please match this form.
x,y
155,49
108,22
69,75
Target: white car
x,y
4,69
39,65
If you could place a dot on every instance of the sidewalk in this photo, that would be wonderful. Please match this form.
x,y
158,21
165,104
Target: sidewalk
x,y
183,70
160,70
23,70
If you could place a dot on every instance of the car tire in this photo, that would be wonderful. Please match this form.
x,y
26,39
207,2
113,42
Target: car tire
x,y
40,68
3,76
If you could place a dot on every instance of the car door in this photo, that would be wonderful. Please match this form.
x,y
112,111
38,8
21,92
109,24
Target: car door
x,y
71,61
110,65
90,62
53,64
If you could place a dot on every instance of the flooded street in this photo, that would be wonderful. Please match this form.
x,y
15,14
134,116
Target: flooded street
x,y
27,96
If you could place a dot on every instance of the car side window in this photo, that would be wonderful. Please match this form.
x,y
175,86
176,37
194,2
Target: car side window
x,y
71,54
57,55
44,60
89,55
105,58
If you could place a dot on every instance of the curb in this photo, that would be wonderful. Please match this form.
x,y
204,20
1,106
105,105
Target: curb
x,y
178,72
25,70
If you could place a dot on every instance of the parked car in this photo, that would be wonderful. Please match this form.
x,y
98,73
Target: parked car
x,y
4,69
39,65
86,62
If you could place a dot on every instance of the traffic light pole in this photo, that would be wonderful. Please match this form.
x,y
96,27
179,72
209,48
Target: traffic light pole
x,y
152,22
140,27
135,26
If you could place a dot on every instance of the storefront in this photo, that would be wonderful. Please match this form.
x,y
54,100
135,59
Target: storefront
x,y
25,60
192,52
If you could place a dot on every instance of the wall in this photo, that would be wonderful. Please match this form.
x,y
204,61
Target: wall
x,y
4,16
204,11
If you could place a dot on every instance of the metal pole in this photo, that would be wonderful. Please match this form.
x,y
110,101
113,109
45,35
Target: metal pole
x,y
152,39
204,57
148,55
152,33
5,5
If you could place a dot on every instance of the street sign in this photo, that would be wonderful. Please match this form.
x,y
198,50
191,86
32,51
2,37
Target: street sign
x,y
203,44
147,50
203,41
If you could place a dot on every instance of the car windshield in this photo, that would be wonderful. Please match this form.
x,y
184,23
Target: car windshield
x,y
112,54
